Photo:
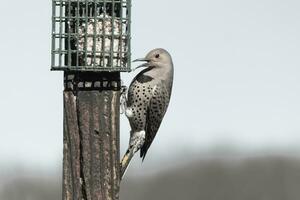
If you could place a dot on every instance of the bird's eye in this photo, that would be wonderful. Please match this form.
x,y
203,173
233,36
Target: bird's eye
x,y
157,56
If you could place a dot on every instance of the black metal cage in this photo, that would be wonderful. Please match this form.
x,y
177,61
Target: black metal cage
x,y
91,35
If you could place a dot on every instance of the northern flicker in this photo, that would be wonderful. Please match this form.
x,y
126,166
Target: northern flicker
x,y
147,101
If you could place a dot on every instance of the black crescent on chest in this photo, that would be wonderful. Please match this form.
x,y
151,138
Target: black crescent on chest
x,y
144,78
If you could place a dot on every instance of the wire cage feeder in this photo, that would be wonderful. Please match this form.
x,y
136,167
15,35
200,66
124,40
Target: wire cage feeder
x,y
91,35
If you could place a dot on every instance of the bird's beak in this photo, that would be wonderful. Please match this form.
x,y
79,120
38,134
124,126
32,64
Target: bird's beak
x,y
142,65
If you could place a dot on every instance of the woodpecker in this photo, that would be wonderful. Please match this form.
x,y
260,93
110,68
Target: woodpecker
x,y
147,102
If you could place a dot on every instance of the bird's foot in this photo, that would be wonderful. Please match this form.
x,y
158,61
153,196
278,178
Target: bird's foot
x,y
123,99
123,90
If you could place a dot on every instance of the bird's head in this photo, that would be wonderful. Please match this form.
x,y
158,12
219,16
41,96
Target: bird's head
x,y
157,58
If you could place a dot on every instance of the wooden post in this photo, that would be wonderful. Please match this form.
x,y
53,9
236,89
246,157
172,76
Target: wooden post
x,y
91,136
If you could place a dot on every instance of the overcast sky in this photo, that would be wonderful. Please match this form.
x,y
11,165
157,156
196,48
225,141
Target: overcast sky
x,y
237,69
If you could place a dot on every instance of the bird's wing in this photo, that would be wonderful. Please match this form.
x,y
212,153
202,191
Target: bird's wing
x,y
157,108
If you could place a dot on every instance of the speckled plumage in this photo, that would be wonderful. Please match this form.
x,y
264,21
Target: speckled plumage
x,y
147,101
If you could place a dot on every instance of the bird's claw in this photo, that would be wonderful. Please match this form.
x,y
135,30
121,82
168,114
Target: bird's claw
x,y
123,98
123,89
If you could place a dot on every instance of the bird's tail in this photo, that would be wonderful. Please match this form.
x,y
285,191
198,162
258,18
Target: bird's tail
x,y
126,160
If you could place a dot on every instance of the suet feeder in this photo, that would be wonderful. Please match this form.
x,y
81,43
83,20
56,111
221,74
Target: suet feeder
x,y
91,35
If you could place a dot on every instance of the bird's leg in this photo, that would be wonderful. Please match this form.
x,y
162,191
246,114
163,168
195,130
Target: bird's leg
x,y
123,99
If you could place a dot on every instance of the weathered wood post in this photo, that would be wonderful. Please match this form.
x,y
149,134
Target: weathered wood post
x,y
91,44
91,136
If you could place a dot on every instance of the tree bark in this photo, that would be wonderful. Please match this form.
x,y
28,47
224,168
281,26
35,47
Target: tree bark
x,y
91,136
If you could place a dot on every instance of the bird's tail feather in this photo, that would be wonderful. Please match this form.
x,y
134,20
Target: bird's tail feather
x,y
126,160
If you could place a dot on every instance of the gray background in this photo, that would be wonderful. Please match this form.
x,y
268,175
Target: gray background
x,y
236,88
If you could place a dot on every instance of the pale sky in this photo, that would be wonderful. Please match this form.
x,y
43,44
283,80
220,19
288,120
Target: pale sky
x,y
237,69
